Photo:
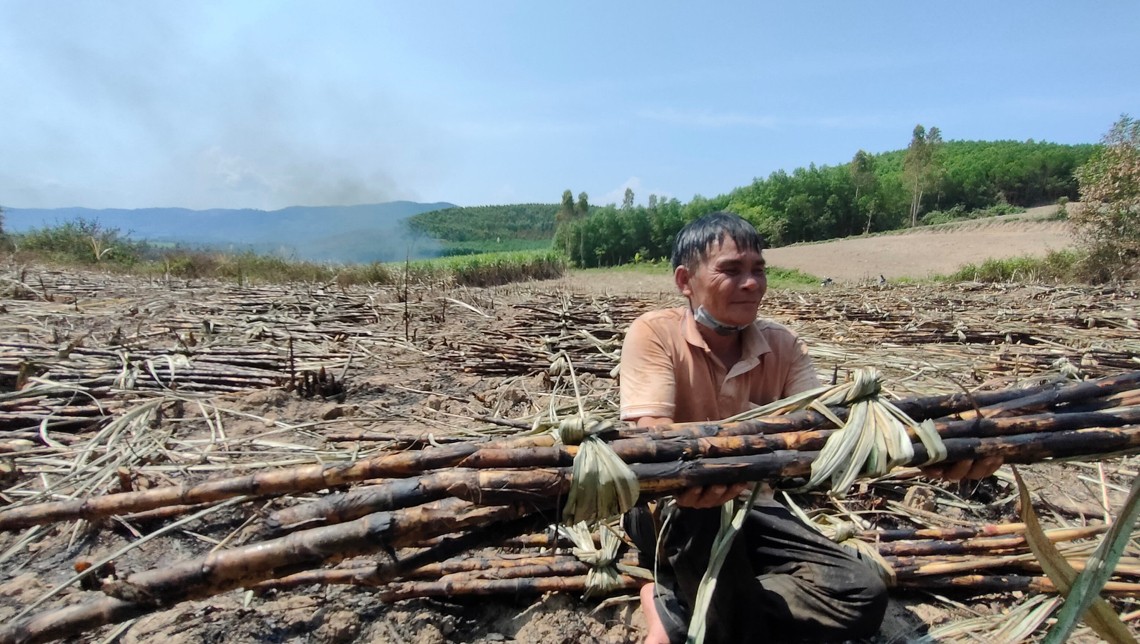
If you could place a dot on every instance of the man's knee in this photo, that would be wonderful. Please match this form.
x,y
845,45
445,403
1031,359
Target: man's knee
x,y
866,600
641,528
876,607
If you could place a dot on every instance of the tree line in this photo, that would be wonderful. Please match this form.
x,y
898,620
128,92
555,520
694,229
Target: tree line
x,y
872,193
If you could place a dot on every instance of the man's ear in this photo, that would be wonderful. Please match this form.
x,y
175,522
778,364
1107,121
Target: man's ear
x,y
682,277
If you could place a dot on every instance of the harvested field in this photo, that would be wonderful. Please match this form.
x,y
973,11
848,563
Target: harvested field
x,y
111,384
927,251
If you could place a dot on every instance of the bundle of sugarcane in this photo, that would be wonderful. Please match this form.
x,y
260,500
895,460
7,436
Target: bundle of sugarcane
x,y
1022,425
482,493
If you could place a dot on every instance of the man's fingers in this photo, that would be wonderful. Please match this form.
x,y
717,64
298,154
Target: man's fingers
x,y
957,471
689,497
984,467
714,492
934,471
971,469
709,496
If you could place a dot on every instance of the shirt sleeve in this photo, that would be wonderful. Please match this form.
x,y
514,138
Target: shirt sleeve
x,y
646,377
802,375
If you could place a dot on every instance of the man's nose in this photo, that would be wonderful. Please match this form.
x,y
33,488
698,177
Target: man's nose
x,y
751,283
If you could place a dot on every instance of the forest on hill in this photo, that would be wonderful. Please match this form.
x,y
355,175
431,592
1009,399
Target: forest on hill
x,y
528,221
929,182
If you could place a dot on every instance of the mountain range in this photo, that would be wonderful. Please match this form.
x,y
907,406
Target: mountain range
x,y
361,233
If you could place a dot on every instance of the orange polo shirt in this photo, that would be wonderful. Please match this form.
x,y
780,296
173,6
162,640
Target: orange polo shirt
x,y
668,371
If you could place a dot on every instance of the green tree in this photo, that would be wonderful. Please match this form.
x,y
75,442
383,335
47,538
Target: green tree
x,y
583,207
921,167
1109,221
862,169
652,202
627,200
566,211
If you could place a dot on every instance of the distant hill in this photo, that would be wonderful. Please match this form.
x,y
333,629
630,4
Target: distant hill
x,y
363,233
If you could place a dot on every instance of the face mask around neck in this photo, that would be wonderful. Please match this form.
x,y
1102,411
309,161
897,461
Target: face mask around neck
x,y
704,318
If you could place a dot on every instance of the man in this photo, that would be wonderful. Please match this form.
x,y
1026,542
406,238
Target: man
x,y
712,359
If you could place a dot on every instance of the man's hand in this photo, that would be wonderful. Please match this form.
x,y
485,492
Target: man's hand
x,y
978,469
711,496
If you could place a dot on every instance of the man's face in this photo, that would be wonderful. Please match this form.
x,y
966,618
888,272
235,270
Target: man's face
x,y
729,283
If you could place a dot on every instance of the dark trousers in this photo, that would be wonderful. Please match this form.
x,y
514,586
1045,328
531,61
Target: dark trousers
x,y
782,581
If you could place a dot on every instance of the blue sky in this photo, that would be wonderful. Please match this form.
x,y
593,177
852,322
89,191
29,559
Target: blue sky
x,y
270,104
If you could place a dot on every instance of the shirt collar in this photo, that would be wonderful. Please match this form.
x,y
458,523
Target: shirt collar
x,y
755,344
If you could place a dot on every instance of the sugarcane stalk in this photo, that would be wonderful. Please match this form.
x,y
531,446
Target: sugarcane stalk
x,y
467,568
983,584
657,479
962,532
70,621
527,586
1046,396
440,549
506,567
307,478
930,566
225,570
934,547
522,452
390,495
403,441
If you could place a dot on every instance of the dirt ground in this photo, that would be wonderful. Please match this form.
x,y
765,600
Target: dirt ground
x,y
421,369
927,251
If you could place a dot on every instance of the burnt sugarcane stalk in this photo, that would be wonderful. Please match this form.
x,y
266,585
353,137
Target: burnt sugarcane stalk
x,y
438,550
936,547
657,479
964,532
984,584
308,478
226,570
933,566
529,586
466,568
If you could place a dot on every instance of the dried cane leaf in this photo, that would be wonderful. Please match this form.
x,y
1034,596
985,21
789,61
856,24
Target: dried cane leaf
x,y
730,524
603,487
1100,615
1099,568
836,452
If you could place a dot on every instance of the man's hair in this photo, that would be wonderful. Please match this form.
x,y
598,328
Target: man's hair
x,y
692,244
